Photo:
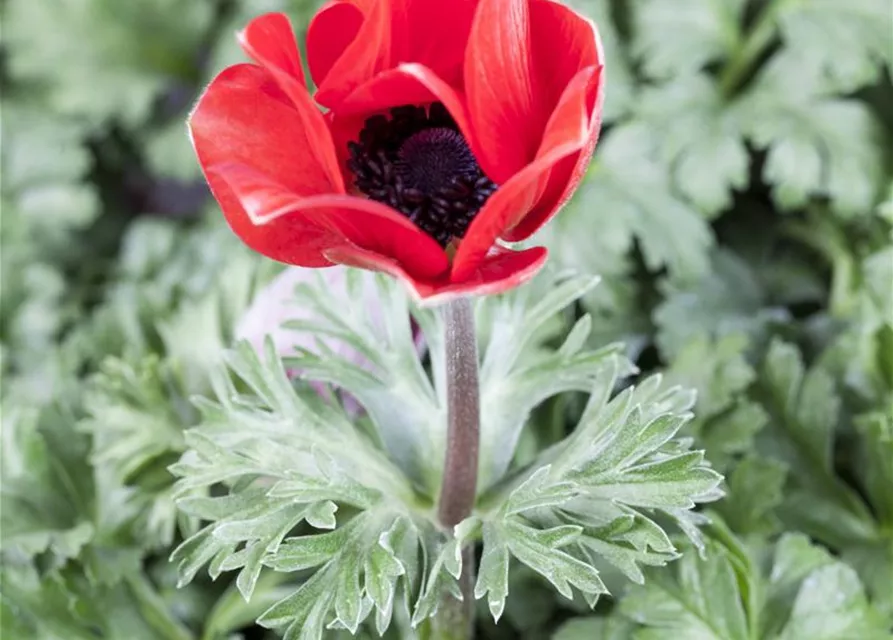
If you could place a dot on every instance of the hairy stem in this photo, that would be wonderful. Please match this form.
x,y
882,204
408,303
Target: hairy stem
x,y
460,468
455,619
759,38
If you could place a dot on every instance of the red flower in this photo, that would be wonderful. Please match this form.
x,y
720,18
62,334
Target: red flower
x,y
450,125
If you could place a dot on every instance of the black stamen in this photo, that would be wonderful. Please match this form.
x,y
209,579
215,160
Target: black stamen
x,y
418,163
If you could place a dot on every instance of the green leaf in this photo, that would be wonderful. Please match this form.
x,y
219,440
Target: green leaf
x,y
878,269
170,154
808,404
346,582
717,369
115,72
440,573
615,305
539,549
518,374
590,498
874,561
287,458
493,573
803,574
816,146
67,606
203,325
756,489
629,183
804,407
860,354
133,419
172,329
675,40
725,595
831,604
731,299
725,421
44,159
847,43
45,162
44,165
47,490
701,136
701,601
379,364
603,628
876,431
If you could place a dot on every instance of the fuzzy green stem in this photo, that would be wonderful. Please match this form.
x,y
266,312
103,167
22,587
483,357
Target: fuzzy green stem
x,y
829,241
455,619
753,47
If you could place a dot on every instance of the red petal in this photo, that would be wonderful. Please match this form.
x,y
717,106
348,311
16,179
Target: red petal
x,y
578,117
331,31
367,54
355,257
244,117
350,41
438,32
500,272
562,43
506,207
406,84
272,213
499,86
301,242
521,56
269,39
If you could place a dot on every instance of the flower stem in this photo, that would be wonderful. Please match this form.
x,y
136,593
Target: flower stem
x,y
455,619
460,468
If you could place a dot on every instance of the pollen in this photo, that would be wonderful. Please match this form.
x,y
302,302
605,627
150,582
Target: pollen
x,y
417,162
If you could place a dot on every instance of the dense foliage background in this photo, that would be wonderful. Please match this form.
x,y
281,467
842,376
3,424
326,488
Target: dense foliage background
x,y
739,211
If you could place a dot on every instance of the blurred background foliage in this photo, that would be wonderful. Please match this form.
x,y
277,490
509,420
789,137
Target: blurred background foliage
x,y
739,210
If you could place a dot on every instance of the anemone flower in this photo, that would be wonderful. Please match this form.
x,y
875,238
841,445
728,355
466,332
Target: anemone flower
x,y
439,132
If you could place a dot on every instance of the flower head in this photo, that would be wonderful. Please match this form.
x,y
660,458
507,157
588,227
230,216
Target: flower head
x,y
449,128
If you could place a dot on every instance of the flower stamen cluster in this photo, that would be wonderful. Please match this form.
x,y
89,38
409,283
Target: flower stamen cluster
x,y
418,162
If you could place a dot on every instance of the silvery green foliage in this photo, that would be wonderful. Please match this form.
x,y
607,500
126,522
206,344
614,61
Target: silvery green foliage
x,y
804,409
287,458
172,333
110,69
594,497
289,479
406,407
47,487
518,372
791,590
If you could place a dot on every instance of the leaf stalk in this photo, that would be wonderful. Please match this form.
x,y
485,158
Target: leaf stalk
x,y
753,47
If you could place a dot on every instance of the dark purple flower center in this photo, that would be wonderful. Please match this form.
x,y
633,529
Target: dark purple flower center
x,y
418,163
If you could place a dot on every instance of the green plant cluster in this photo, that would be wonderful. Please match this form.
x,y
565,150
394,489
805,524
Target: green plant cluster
x,y
687,419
